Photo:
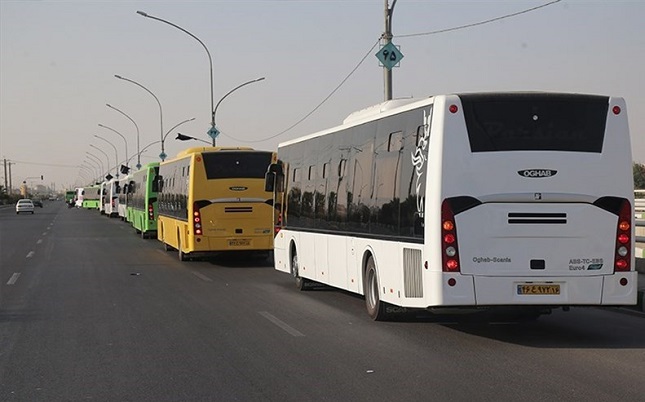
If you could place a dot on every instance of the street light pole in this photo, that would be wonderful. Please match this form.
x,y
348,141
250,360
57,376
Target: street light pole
x,y
210,62
162,155
106,157
116,154
124,140
230,92
135,125
96,158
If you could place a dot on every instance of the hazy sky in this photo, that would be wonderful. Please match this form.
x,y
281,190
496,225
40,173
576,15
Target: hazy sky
x,y
58,61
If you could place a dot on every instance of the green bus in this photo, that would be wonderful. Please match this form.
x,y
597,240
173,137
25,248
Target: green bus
x,y
142,205
69,196
91,197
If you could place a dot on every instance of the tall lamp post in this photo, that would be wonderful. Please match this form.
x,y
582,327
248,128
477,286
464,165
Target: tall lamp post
x,y
213,132
162,155
135,125
116,154
96,159
230,92
106,158
120,135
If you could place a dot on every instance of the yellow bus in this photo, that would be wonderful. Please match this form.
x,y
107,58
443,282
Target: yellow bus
x,y
212,199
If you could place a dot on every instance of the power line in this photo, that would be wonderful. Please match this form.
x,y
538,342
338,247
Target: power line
x,y
319,105
372,48
478,23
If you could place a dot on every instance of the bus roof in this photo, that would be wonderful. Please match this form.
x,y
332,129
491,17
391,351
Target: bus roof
x,y
194,150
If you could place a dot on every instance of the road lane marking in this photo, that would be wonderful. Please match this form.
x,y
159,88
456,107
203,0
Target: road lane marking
x,y
14,278
39,241
288,328
44,233
31,254
202,277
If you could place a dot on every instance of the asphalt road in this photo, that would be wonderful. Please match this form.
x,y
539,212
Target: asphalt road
x,y
90,311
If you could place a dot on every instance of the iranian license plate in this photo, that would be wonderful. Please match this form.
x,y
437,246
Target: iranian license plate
x,y
538,289
239,242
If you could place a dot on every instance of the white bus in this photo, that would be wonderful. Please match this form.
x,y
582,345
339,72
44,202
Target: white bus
x,y
472,201
111,198
123,196
78,196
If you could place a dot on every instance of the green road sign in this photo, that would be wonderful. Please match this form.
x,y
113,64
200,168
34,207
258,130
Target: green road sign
x,y
389,55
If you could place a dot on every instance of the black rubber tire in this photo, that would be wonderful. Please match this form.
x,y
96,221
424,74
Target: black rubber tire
x,y
301,283
376,308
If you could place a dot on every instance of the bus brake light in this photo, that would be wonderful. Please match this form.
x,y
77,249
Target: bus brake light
x,y
622,251
449,248
197,220
151,211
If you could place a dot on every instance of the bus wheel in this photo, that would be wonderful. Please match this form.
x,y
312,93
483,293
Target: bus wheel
x,y
376,309
301,283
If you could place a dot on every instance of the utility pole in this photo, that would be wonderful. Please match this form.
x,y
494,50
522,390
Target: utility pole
x,y
5,176
10,183
387,38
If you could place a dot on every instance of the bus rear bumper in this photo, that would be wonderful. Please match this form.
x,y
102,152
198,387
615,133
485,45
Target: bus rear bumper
x,y
619,289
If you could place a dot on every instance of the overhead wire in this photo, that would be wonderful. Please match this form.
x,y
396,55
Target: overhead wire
x,y
372,48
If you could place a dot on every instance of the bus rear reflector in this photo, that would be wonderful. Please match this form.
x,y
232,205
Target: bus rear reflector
x,y
449,248
622,251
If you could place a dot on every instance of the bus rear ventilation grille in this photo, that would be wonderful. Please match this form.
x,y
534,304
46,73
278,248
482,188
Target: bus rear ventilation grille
x,y
528,218
238,209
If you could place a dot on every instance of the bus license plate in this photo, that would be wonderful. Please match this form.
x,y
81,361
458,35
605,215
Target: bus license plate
x,y
239,242
534,289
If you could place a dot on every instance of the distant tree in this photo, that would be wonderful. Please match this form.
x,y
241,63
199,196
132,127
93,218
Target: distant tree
x,y
639,175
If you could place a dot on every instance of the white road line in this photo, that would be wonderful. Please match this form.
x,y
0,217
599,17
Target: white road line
x,y
202,277
39,241
14,278
44,233
292,331
31,254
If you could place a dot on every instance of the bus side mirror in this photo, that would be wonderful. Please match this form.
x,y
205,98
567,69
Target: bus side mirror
x,y
274,178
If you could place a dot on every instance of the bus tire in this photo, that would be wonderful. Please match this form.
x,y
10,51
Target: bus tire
x,y
376,308
301,283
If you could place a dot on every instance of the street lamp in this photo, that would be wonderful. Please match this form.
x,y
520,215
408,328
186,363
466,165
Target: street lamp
x,y
213,131
184,137
124,140
106,158
230,92
116,154
162,155
96,159
136,126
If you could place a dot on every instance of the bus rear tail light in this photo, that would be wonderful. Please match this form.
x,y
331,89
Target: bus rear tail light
x,y
278,225
151,211
622,256
449,247
197,220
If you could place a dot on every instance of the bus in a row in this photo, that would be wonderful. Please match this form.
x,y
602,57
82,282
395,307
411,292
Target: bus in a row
x,y
472,201
212,199
142,200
